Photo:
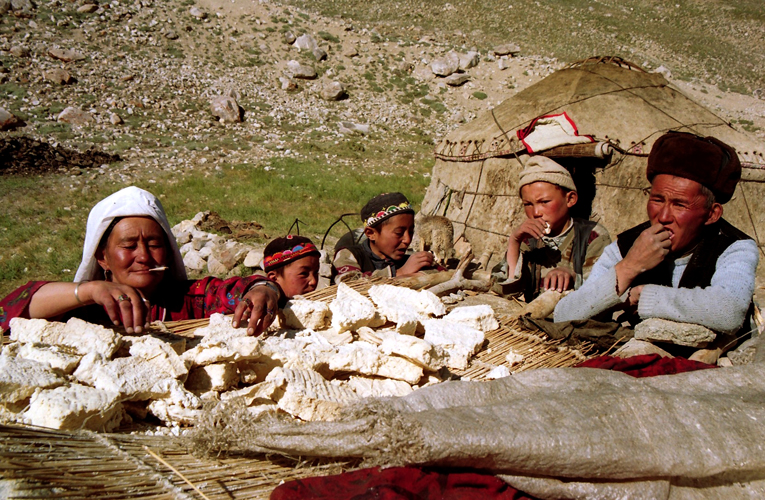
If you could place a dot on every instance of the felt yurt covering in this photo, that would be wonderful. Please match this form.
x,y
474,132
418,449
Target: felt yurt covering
x,y
624,109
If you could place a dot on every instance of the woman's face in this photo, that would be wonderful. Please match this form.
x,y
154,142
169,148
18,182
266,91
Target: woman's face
x,y
135,245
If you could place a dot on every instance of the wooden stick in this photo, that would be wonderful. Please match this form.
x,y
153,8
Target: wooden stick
x,y
148,450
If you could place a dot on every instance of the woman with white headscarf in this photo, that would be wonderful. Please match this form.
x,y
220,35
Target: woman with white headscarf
x,y
132,273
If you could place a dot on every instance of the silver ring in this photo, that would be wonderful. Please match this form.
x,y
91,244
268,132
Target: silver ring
x,y
123,297
269,312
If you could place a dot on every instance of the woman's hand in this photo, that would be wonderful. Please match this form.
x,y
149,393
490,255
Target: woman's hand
x,y
124,304
415,262
258,308
559,279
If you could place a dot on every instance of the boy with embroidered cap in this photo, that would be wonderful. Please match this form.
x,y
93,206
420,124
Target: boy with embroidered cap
x,y
389,226
293,263
550,250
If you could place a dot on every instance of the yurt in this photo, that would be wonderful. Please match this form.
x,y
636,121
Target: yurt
x,y
598,118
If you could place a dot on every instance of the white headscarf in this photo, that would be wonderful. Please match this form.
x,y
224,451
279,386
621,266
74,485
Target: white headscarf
x,y
128,202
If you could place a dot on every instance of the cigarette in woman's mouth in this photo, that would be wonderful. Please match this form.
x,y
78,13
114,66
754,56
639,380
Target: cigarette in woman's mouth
x,y
161,268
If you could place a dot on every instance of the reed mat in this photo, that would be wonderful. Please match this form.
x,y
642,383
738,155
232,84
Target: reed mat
x,y
43,463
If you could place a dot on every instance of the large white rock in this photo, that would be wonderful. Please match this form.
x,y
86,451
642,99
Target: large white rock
x,y
84,337
480,317
306,314
75,407
366,359
20,377
351,310
308,396
459,340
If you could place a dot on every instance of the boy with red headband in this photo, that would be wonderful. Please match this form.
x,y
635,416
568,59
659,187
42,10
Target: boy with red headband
x,y
293,263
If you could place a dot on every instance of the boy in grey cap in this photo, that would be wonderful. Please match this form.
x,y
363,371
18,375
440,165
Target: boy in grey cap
x,y
550,250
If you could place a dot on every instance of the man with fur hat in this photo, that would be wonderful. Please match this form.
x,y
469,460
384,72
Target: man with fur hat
x,y
686,263
550,249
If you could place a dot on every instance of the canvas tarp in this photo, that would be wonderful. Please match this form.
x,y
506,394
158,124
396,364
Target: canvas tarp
x,y
556,433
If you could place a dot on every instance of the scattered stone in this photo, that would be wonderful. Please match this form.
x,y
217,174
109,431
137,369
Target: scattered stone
x,y
457,79
508,49
298,70
445,66
198,13
469,60
334,91
87,8
288,83
75,116
58,76
23,8
319,54
352,51
663,70
5,7
226,109
289,37
8,120
254,258
503,63
662,330
19,51
171,35
351,128
194,261
65,55
115,119
306,42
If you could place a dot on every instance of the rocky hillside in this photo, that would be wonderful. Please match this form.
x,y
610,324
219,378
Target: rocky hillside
x,y
179,86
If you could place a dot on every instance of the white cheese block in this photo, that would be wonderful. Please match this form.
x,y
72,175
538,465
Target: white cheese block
x,y
75,407
480,317
391,297
54,356
351,310
217,350
262,393
378,387
219,330
513,358
20,377
174,414
459,340
83,336
308,396
306,314
418,350
214,377
366,359
132,378
157,352
500,371
296,353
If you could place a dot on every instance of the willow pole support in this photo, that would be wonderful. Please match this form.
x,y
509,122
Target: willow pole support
x,y
459,282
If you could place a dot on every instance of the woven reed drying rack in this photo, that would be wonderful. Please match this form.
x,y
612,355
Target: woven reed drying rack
x,y
87,465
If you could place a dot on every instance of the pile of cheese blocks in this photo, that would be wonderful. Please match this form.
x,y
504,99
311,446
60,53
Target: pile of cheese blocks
x,y
317,360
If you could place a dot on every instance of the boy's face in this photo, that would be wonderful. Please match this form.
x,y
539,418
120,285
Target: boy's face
x,y
392,237
298,277
545,201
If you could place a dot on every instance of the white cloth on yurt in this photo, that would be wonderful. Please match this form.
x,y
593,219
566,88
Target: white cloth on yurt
x,y
550,131
128,202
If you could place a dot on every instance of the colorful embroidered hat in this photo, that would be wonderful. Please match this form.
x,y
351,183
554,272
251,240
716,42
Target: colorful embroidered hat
x,y
282,251
384,206
706,160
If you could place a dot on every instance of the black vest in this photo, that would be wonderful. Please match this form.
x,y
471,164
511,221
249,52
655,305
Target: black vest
x,y
715,239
